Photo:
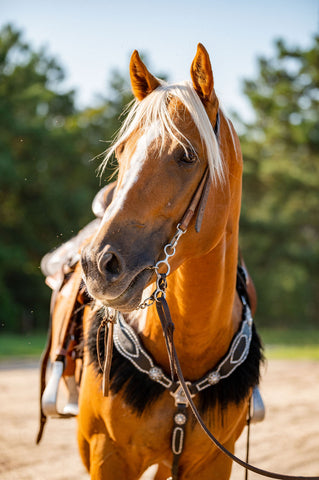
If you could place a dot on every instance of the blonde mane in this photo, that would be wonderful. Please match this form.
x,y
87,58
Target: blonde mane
x,y
154,108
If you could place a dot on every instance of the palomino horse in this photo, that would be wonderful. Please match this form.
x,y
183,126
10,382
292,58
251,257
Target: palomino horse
x,y
173,134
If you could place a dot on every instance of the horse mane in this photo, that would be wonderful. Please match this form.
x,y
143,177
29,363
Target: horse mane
x,y
154,108
140,392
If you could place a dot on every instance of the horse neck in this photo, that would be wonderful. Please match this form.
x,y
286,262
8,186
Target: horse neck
x,y
200,296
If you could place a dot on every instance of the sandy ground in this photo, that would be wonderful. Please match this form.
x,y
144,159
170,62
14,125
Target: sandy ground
x,y
287,441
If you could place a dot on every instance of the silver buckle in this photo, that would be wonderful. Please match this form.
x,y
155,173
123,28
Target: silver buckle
x,y
179,395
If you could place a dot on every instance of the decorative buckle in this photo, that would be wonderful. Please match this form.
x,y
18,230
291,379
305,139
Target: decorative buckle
x,y
179,395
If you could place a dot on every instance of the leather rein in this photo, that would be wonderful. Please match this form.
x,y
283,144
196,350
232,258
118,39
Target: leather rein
x,y
168,329
198,202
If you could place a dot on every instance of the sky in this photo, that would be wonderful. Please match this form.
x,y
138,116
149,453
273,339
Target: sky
x,y
91,38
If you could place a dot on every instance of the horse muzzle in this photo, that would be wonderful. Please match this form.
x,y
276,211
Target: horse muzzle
x,y
111,280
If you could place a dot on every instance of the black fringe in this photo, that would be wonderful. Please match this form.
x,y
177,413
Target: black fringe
x,y
140,392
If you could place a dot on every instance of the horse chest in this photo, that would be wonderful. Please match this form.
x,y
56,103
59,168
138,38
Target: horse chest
x,y
148,436
146,433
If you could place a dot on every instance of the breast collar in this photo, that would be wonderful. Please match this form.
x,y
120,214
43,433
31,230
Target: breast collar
x,y
128,344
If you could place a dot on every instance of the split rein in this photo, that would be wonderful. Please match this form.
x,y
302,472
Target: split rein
x,y
159,297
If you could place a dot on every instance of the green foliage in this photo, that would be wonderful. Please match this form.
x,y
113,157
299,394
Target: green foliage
x,y
21,346
47,179
280,213
289,343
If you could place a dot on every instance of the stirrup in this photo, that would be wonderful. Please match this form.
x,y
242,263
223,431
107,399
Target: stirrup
x,y
50,394
257,407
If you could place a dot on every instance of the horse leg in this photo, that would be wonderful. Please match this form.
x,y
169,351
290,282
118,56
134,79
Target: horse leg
x,y
106,463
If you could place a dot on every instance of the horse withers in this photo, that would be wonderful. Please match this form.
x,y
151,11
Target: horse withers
x,y
173,134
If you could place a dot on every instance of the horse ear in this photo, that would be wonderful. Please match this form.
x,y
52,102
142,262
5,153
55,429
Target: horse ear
x,y
143,82
202,75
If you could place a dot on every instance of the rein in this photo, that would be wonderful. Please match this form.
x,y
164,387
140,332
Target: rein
x,y
163,312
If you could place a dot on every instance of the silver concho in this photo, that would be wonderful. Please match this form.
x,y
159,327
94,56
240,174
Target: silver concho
x,y
155,373
180,419
213,378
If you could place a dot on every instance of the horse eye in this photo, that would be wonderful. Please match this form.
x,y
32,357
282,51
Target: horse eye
x,y
188,156
119,149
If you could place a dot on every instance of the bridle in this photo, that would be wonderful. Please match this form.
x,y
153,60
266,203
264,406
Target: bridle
x,y
199,199
159,298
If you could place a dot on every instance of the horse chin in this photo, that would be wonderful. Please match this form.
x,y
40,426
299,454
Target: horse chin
x,y
131,298
123,306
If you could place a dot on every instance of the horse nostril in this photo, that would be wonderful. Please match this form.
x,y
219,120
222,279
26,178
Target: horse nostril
x,y
110,265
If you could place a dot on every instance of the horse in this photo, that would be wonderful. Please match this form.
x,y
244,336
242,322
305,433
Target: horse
x,y
176,144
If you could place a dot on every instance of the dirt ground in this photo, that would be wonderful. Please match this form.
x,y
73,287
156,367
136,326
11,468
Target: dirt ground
x,y
287,441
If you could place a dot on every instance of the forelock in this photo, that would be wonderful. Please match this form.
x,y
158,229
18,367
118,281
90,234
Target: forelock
x,y
155,108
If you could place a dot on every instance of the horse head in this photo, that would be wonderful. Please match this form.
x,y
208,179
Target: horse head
x,y
163,149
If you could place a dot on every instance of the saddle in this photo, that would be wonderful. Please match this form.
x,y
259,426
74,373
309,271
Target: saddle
x,y
69,299
69,302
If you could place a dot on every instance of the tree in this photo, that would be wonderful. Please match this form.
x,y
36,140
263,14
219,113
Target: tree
x,y
47,179
280,214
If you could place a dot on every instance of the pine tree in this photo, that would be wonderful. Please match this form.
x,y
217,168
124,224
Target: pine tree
x,y
280,214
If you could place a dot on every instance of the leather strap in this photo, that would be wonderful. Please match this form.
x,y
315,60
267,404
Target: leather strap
x,y
69,311
168,329
178,436
108,324
188,215
43,370
248,437
45,356
201,194
202,204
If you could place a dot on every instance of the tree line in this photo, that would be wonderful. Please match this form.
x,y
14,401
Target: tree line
x,y
49,150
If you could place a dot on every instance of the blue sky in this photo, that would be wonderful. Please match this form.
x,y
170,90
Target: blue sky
x,y
91,38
